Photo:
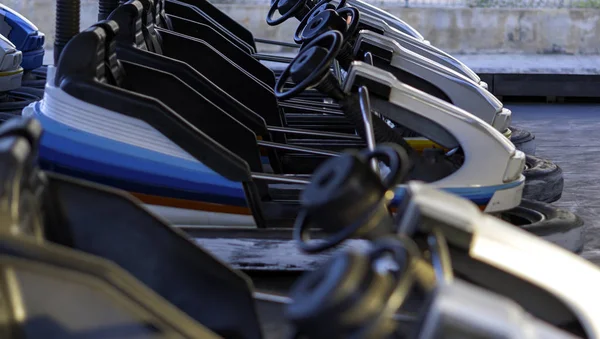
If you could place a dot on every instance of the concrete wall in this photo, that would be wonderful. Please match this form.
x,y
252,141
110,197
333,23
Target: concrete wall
x,y
547,30
456,30
472,30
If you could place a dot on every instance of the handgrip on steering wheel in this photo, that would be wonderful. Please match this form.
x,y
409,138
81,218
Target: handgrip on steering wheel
x,y
353,13
398,161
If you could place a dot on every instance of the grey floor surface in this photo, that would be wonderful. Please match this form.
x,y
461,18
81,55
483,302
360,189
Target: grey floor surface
x,y
569,135
532,63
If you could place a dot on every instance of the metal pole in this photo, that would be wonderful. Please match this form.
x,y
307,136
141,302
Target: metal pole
x,y
365,109
369,58
440,256
297,148
66,25
279,178
314,133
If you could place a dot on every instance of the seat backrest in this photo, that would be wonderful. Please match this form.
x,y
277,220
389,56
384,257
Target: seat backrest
x,y
189,93
197,110
60,293
111,225
148,19
224,45
105,223
87,72
204,11
21,183
213,64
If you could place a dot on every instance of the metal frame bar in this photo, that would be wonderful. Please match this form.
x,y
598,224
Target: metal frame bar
x,y
313,133
297,148
278,43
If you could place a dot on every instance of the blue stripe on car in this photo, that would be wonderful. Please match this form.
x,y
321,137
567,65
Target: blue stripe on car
x,y
91,157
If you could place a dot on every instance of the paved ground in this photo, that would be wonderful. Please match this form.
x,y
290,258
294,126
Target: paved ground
x,y
532,63
568,135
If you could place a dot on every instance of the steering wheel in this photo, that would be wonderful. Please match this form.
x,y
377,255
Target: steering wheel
x,y
324,17
287,9
348,198
310,65
325,301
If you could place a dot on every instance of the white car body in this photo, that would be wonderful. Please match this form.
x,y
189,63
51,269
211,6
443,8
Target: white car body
x,y
391,20
409,38
11,71
568,277
462,91
491,160
492,168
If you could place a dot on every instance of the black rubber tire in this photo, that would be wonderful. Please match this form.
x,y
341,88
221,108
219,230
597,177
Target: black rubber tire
x,y
523,140
543,180
37,84
35,78
20,98
556,225
6,116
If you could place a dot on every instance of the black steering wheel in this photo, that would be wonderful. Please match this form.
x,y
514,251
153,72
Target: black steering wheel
x,y
296,8
325,301
325,17
287,9
347,198
310,65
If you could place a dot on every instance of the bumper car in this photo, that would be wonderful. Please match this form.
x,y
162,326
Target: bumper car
x,y
56,109
436,267
67,282
22,57
465,94
462,243
378,32
471,98
13,97
206,51
177,162
30,41
408,38
12,72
